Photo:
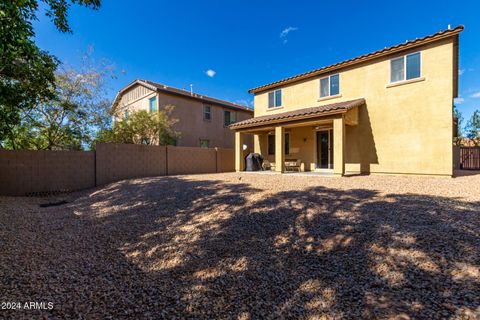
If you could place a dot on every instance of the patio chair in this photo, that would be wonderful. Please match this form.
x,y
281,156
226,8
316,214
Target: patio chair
x,y
293,165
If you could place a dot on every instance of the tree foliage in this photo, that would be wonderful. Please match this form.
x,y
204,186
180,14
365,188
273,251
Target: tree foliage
x,y
27,74
473,126
143,128
459,117
458,135
71,119
58,11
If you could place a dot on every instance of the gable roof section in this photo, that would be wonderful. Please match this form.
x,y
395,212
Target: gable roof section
x,y
158,87
305,113
366,57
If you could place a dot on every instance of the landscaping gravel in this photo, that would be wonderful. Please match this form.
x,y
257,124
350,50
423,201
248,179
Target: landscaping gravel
x,y
246,246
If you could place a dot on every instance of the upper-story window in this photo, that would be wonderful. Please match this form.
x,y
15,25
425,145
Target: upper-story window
x,y
330,86
126,114
153,104
229,117
207,113
275,99
405,68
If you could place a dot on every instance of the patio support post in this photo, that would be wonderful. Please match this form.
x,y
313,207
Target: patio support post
x,y
279,149
339,146
239,161
256,144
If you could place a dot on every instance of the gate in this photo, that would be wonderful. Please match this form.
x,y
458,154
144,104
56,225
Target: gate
x,y
470,158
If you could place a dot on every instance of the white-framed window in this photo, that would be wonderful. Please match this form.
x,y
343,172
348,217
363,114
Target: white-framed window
x,y
275,99
126,114
406,67
152,104
229,117
207,113
330,86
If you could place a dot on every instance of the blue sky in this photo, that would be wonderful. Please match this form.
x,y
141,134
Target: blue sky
x,y
250,43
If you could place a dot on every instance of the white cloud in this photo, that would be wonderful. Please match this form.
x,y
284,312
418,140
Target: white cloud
x,y
461,71
245,102
475,95
459,100
211,73
285,32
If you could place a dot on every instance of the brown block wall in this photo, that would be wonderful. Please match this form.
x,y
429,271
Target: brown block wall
x,y
225,160
24,172
189,160
126,161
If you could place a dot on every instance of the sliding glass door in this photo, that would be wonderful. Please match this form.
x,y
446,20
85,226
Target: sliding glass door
x,y
324,149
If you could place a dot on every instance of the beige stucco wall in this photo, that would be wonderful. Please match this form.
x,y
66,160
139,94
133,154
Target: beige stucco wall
x,y
404,129
135,99
302,146
189,112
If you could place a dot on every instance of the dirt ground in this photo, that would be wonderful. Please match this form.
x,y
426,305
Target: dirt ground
x,y
246,246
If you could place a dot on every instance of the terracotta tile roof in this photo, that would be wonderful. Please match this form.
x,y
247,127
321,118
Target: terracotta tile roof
x,y
202,97
390,50
164,88
305,113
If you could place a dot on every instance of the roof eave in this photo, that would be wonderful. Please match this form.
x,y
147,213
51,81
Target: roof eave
x,y
364,58
205,99
158,89
267,123
200,97
127,87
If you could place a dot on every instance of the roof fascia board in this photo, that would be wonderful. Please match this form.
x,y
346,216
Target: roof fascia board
x,y
355,61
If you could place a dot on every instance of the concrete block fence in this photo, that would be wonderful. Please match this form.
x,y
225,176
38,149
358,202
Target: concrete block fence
x,y
32,172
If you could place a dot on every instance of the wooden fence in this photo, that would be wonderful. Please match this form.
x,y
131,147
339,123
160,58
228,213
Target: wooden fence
x,y
470,158
33,172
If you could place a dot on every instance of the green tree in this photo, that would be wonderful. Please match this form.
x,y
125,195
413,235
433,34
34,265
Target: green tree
x,y
458,115
27,74
71,119
459,119
143,128
473,126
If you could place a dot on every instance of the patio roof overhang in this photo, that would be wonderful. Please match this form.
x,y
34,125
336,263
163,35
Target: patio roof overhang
x,y
305,116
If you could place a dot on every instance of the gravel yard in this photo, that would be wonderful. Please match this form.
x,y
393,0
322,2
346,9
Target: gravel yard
x,y
247,246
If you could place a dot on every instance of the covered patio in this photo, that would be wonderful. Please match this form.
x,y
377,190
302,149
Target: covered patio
x,y
304,140
295,173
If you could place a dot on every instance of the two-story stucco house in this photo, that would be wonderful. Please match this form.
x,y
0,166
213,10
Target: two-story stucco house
x,y
202,121
389,112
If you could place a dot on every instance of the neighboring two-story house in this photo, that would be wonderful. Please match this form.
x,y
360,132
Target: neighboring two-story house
x,y
202,121
389,111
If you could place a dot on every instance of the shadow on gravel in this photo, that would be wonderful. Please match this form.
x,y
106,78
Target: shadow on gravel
x,y
465,173
212,249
